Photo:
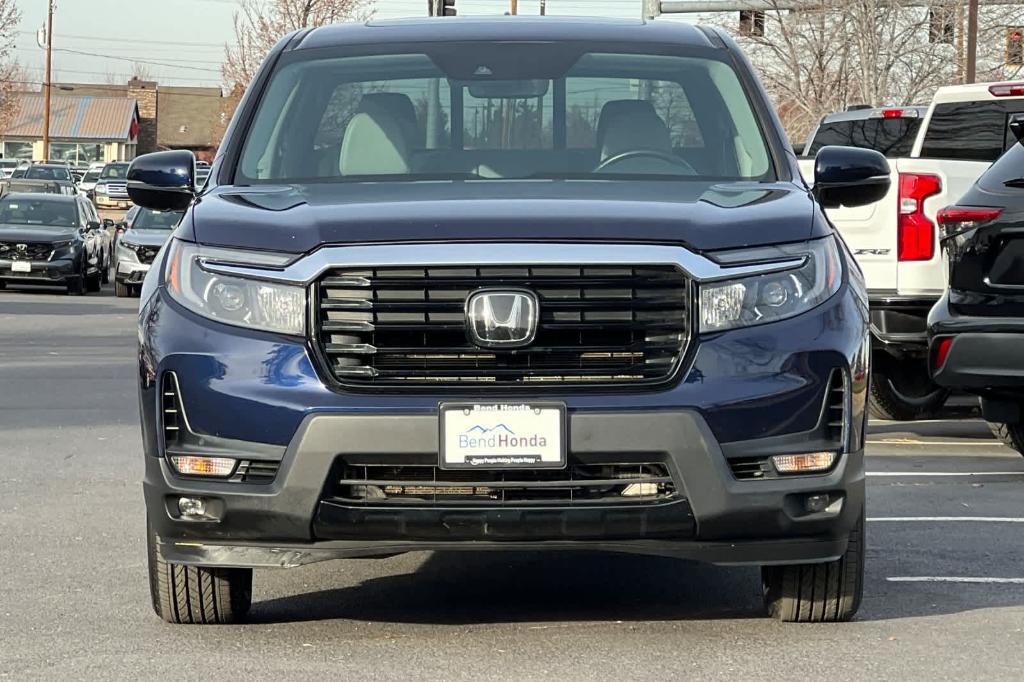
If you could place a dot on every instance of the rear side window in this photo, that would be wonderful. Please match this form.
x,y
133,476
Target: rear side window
x,y
1008,168
970,131
893,137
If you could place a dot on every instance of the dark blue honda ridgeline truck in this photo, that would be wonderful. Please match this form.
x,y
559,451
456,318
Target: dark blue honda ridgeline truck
x,y
518,284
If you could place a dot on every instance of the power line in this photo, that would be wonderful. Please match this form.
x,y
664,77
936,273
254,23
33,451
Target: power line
x,y
136,61
141,41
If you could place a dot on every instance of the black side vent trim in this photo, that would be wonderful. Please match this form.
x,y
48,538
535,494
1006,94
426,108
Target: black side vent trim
x,y
751,468
172,419
835,408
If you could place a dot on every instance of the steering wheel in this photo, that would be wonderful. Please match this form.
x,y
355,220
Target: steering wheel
x,y
649,153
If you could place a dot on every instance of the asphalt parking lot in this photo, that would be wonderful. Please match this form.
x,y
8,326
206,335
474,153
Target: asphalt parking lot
x,y
944,595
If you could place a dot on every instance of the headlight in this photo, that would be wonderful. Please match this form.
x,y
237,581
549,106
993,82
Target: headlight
x,y
61,249
101,189
775,296
127,250
268,306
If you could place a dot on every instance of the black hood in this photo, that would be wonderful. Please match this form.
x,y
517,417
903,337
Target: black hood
x,y
29,233
702,216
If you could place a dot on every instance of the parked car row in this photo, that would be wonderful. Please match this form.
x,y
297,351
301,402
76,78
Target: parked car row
x,y
936,153
60,240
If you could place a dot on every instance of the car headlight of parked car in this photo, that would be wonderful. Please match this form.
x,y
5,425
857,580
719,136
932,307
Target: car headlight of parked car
x,y
100,189
127,250
775,296
256,304
64,249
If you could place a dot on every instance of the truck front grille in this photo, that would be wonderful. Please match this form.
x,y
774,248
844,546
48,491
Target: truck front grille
x,y
396,326
145,254
427,485
117,190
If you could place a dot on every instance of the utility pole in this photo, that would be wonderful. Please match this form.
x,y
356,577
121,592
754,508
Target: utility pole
x,y
543,7
513,7
46,85
972,40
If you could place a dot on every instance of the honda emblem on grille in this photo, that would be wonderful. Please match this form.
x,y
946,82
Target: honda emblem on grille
x,y
502,318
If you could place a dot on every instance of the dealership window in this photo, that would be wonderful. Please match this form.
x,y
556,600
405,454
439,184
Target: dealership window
x,y
18,150
76,154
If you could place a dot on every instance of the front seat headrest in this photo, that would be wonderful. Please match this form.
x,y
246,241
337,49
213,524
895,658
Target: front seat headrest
x,y
375,143
401,107
627,125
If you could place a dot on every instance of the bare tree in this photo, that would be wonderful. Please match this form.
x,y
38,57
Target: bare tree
x,y
10,71
840,52
140,72
836,53
259,24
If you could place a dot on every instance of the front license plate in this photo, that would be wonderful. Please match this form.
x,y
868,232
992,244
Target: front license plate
x,y
21,266
502,436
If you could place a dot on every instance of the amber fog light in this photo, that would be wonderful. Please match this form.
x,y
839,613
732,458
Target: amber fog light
x,y
191,465
807,463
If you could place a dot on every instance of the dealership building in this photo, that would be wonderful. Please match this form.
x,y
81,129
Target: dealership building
x,y
83,129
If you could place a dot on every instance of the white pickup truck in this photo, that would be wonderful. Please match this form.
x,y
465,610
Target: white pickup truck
x,y
935,154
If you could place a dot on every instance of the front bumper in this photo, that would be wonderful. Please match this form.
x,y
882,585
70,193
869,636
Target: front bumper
x,y
748,392
718,518
107,201
42,272
131,272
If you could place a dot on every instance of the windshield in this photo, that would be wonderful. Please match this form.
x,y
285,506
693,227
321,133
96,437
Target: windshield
x,y
91,176
44,212
156,220
893,137
504,111
47,173
115,170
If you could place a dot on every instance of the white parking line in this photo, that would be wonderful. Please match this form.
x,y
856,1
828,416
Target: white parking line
x,y
943,519
916,474
985,443
954,579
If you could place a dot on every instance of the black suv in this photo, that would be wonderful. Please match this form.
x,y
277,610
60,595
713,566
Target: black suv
x,y
977,328
510,284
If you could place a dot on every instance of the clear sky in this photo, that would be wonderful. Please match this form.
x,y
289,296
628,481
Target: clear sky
x,y
184,39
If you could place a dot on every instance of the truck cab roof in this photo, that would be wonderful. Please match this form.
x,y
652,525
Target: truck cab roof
x,y
975,92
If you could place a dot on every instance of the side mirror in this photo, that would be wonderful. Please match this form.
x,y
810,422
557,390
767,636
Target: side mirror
x,y
163,181
108,223
92,226
848,176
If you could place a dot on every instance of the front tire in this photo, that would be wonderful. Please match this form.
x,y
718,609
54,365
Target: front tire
x,y
1012,435
818,593
93,282
75,287
902,390
197,594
